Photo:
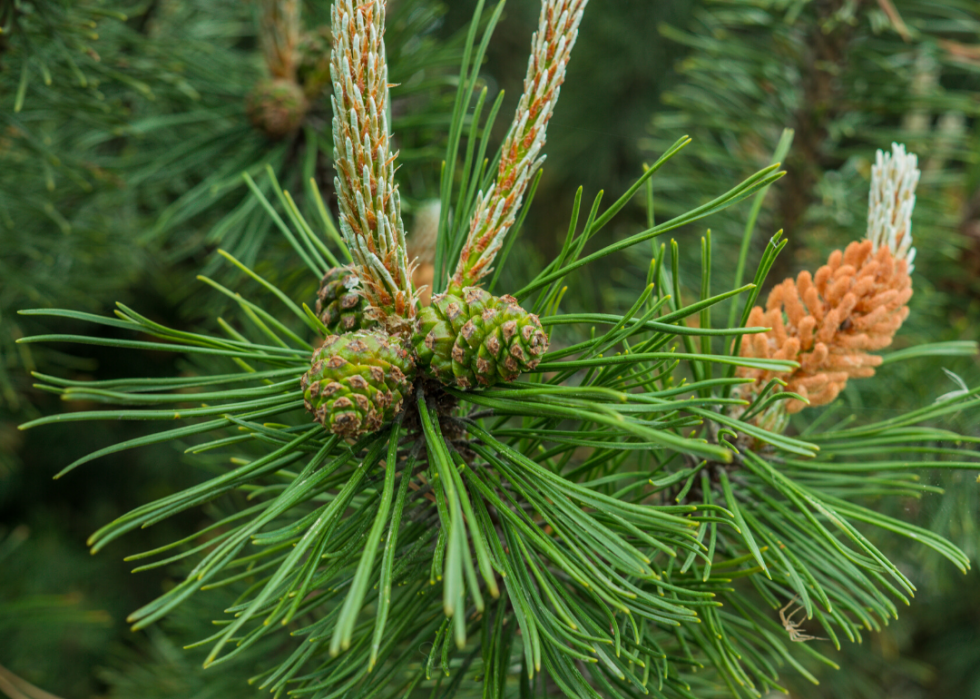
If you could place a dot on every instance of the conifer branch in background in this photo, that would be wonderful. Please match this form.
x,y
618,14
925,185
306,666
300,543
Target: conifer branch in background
x,y
829,321
280,37
277,105
521,156
370,208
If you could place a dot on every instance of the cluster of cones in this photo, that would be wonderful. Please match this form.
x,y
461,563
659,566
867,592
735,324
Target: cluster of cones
x,y
361,373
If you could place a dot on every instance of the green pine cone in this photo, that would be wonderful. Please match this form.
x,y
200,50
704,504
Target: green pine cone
x,y
338,304
357,381
475,339
276,107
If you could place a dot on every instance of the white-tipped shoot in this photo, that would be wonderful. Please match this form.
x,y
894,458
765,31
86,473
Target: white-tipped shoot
x,y
521,156
370,208
891,201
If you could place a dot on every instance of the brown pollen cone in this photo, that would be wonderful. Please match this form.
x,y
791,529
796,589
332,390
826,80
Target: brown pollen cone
x,y
829,322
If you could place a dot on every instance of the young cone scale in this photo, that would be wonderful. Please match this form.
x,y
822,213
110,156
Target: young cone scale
x,y
475,339
357,381
853,305
339,305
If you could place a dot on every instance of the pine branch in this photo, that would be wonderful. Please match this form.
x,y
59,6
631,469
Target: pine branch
x,y
370,208
551,48
563,501
620,512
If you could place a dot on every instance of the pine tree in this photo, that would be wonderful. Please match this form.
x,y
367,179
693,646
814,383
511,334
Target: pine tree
x,y
604,524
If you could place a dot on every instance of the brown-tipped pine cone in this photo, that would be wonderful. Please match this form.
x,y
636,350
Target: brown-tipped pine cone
x,y
339,305
829,322
357,381
276,106
476,339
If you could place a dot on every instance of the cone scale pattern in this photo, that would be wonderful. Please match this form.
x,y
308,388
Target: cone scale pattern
x,y
339,305
475,339
357,382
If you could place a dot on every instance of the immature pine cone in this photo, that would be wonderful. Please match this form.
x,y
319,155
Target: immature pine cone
x,y
357,382
276,107
338,304
476,339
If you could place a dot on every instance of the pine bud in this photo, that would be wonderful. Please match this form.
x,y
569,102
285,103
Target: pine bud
x,y
357,382
522,152
276,107
476,339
